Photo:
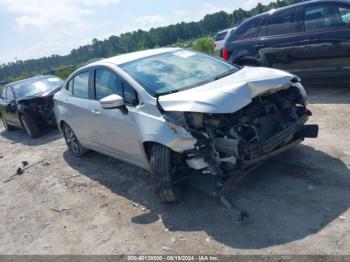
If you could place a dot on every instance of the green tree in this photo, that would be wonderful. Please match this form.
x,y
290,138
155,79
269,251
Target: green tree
x,y
204,44
180,34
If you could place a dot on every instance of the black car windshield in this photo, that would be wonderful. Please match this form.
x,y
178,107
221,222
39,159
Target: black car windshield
x,y
176,71
38,87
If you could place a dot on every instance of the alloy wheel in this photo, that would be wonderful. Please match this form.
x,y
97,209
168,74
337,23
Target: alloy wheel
x,y
71,139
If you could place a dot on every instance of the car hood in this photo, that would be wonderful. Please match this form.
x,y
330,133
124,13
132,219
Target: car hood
x,y
229,94
48,95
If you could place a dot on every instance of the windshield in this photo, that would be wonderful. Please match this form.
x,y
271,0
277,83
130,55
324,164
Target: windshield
x,y
41,86
175,71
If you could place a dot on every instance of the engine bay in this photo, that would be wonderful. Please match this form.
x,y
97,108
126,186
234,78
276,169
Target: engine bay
x,y
242,138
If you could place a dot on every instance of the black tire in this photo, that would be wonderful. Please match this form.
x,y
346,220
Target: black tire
x,y
72,141
7,126
30,126
162,174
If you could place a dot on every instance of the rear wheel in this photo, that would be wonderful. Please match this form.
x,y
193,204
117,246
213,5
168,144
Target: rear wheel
x,y
7,126
163,173
30,126
72,141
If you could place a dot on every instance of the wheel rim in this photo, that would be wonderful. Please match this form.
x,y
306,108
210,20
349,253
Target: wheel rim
x,y
71,139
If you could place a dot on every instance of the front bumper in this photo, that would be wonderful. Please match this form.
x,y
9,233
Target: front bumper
x,y
280,142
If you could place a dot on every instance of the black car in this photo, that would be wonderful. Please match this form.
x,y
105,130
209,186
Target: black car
x,y
28,104
310,39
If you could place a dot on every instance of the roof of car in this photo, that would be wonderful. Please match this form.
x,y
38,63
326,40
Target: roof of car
x,y
310,2
125,58
29,80
227,29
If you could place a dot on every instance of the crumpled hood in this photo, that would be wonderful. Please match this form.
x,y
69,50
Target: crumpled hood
x,y
229,94
48,95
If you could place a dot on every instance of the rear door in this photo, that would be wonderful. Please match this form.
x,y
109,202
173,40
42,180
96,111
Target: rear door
x,y
280,40
243,42
77,106
326,28
115,132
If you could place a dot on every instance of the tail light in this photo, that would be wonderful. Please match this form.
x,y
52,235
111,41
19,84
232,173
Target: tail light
x,y
225,54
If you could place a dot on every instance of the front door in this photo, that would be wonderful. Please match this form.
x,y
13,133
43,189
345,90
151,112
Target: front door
x,y
115,132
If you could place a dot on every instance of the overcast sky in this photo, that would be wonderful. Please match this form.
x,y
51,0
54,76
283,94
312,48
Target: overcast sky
x,y
37,28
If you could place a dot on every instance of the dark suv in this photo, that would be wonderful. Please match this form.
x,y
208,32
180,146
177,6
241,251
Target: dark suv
x,y
310,39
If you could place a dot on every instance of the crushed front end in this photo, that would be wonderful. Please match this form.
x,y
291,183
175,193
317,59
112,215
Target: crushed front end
x,y
231,144
40,109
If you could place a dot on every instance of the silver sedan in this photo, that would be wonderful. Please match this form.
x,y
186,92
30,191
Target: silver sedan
x,y
177,112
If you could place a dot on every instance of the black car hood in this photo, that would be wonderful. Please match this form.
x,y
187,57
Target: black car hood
x,y
45,95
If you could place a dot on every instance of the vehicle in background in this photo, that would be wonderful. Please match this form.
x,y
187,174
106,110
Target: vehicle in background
x,y
28,104
310,39
220,39
175,112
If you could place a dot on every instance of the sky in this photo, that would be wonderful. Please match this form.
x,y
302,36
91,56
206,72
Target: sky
x,y
38,28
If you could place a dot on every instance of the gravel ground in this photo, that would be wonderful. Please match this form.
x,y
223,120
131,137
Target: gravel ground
x,y
298,202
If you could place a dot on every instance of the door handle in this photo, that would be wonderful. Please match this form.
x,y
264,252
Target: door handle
x,y
96,112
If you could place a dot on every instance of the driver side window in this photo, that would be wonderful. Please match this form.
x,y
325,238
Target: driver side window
x,y
107,83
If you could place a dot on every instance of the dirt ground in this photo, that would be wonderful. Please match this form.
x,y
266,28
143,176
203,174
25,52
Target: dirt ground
x,y
298,202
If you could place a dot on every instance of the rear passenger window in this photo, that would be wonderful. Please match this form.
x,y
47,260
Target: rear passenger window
x,y
345,15
78,86
81,85
248,29
221,36
107,83
281,23
322,17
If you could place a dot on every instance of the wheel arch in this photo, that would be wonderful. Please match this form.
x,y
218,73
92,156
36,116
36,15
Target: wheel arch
x,y
147,147
248,60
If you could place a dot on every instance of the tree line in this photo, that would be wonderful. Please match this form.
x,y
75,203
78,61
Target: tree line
x,y
138,40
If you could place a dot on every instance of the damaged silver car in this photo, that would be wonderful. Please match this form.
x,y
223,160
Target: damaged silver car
x,y
180,113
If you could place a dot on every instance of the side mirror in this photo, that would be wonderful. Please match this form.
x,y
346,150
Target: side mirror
x,y
112,102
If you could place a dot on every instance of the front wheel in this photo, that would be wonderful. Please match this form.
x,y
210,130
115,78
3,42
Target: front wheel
x,y
72,141
162,174
7,126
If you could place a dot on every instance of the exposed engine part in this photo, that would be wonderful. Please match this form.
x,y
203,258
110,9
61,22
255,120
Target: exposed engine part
x,y
271,121
41,108
197,163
